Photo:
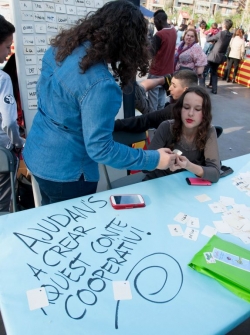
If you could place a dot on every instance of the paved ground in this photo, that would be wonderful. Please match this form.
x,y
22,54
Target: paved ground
x,y
231,110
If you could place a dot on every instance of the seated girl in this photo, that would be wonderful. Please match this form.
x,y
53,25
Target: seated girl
x,y
190,132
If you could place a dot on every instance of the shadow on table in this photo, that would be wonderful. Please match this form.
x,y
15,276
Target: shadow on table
x,y
242,329
2,329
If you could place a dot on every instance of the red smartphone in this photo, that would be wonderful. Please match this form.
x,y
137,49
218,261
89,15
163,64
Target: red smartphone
x,y
198,182
123,201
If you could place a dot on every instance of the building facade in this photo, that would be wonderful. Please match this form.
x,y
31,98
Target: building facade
x,y
205,7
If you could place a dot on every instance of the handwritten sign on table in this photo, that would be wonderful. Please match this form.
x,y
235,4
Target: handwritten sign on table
x,y
75,257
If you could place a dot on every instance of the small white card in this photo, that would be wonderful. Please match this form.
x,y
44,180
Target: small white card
x,y
175,230
246,226
121,290
235,224
177,152
191,234
182,218
216,207
193,222
37,298
245,238
222,227
227,201
209,231
202,197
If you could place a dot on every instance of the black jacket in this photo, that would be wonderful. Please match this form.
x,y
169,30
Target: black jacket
x,y
142,123
222,40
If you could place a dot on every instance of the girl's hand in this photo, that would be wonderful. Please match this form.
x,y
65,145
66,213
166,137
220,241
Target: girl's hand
x,y
183,162
180,163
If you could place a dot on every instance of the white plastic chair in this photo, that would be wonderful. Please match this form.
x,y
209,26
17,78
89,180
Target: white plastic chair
x,y
127,139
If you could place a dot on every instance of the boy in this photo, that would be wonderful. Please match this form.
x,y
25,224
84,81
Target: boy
x,y
180,82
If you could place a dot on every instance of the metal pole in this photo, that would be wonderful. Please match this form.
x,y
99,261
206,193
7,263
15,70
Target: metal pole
x,y
129,99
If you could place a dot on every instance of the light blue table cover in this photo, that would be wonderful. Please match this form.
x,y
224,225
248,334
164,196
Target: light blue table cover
x,y
78,247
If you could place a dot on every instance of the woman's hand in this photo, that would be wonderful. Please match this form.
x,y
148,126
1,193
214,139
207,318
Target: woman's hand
x,y
181,163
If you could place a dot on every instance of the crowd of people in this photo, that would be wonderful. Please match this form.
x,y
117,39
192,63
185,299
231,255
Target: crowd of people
x,y
219,44
79,96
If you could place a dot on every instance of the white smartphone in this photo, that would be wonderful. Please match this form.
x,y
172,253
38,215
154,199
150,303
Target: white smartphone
x,y
123,201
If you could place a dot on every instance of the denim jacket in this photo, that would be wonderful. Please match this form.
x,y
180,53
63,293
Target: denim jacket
x,y
72,129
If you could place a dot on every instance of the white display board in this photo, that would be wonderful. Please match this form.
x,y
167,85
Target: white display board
x,y
36,21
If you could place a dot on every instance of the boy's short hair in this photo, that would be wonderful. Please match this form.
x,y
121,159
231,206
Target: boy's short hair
x,y
228,24
161,15
188,77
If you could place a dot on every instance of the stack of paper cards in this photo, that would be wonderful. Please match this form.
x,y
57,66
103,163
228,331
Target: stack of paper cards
x,y
242,182
235,218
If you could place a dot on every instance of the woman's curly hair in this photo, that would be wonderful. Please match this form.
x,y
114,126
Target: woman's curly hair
x,y
202,131
117,33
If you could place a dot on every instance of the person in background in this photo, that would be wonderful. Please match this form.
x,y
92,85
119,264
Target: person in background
x,y
181,80
201,34
9,130
225,74
189,54
213,30
151,28
163,49
141,88
78,99
217,54
190,132
191,25
237,52
10,68
180,33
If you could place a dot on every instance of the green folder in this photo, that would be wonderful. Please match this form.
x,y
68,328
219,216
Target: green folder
x,y
226,262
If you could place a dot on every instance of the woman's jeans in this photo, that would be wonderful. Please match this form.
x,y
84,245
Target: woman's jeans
x,y
157,96
52,192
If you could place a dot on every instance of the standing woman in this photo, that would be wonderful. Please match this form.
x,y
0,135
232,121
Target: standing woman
x,y
9,130
78,99
190,55
201,32
237,51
